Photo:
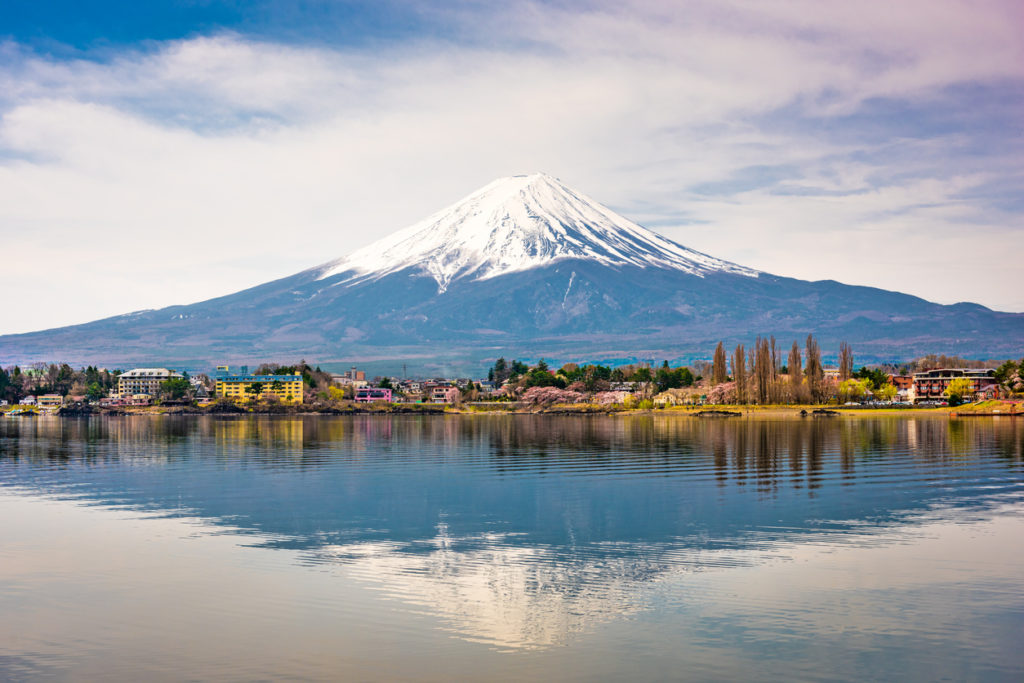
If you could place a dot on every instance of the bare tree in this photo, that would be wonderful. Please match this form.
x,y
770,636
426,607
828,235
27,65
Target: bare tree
x,y
815,373
796,373
719,373
845,362
762,367
739,373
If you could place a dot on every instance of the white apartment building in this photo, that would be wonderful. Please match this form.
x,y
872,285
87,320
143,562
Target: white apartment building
x,y
144,380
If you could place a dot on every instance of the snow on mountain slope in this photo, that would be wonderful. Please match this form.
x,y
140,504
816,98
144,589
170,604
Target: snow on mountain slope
x,y
515,224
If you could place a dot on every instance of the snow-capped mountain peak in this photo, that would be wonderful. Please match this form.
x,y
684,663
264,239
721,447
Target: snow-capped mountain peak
x,y
515,224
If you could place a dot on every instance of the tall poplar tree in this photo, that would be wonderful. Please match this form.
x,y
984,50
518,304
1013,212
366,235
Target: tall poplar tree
x,y
719,373
845,362
762,366
739,373
796,372
812,368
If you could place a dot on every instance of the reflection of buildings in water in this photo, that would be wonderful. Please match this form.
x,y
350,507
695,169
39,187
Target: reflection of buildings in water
x,y
286,433
490,587
741,449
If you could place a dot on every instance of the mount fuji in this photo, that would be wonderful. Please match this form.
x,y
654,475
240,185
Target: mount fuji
x,y
526,267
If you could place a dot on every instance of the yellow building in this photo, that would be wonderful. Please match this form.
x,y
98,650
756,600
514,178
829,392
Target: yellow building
x,y
288,388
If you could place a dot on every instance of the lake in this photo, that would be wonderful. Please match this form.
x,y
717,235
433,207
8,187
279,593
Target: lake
x,y
510,547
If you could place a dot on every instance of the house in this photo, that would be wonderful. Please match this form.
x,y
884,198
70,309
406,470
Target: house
x,y
287,388
932,384
144,380
988,393
443,393
50,401
904,388
373,394
28,401
198,387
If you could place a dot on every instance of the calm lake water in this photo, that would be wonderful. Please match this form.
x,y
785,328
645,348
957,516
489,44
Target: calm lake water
x,y
512,547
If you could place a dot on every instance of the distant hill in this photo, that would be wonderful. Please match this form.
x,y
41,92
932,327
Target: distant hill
x,y
523,267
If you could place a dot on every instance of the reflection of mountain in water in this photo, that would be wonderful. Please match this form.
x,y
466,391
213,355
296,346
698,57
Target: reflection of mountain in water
x,y
521,531
493,590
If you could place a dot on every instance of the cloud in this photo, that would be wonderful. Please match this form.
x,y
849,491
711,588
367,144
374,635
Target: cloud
x,y
877,144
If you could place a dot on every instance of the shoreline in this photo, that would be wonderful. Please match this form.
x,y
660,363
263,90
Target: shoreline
x,y
724,412
994,408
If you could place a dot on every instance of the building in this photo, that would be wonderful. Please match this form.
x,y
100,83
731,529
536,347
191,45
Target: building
x,y
354,375
932,385
50,401
904,387
443,394
287,388
373,394
351,378
144,381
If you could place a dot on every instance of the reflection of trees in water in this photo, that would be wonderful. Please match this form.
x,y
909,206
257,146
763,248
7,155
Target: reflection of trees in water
x,y
525,563
740,450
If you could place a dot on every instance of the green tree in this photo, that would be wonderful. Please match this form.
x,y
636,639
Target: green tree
x,y
876,376
255,389
95,391
518,369
277,386
854,389
642,374
541,376
385,383
1005,372
499,372
886,392
175,388
958,390
667,378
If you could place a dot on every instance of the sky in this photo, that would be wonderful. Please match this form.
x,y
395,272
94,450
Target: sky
x,y
158,153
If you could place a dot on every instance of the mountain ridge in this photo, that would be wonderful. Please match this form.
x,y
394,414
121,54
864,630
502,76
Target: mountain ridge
x,y
523,267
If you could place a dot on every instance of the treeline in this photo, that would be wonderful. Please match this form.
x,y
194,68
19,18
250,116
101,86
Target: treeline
x,y
759,375
17,383
589,378
314,378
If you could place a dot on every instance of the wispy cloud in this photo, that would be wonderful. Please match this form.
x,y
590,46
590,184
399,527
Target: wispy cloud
x,y
879,144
